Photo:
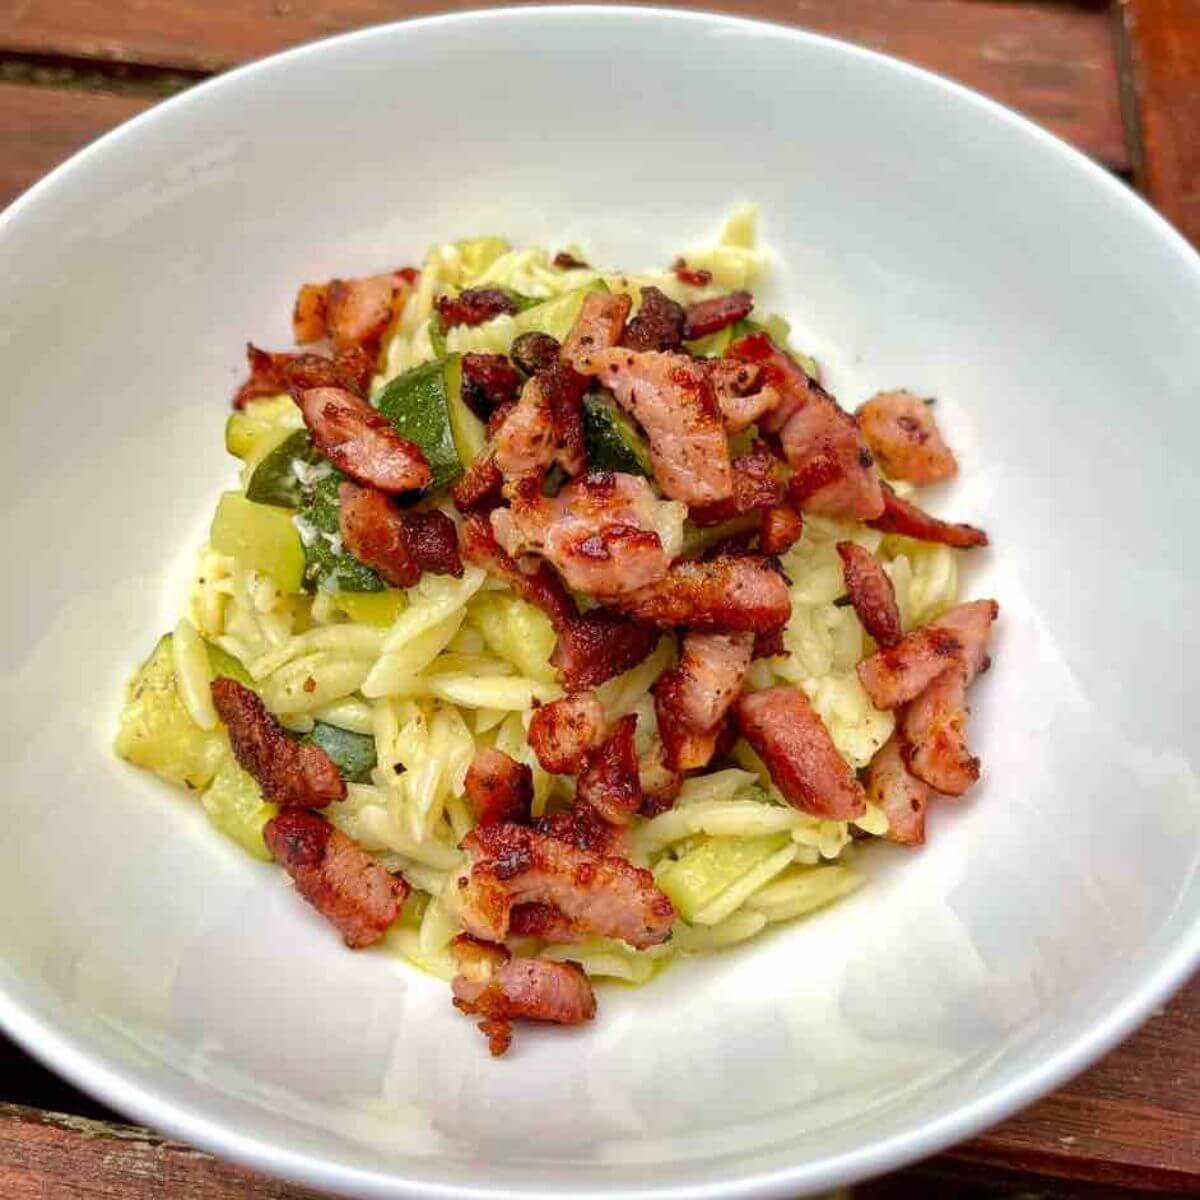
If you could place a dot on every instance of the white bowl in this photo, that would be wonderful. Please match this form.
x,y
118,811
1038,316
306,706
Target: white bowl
x,y
926,237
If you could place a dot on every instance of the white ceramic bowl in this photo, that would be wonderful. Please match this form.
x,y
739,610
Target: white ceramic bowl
x,y
930,239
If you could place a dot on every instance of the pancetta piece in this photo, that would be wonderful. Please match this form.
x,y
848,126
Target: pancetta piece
x,y
399,546
658,324
499,788
871,593
902,434
281,374
600,325
904,517
901,795
756,485
609,783
780,528
351,312
564,732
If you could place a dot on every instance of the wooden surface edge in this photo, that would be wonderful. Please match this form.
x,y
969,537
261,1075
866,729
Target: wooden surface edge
x,y
1159,55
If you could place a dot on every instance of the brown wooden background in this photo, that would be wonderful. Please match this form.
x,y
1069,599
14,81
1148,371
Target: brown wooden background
x,y
1120,80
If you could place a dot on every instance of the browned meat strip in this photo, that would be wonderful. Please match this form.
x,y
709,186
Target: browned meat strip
x,y
480,486
791,739
727,594
498,787
904,437
902,516
528,989
335,875
711,316
901,795
956,639
600,325
398,546
755,486
474,306
658,324
546,426
604,895
289,772
534,352
933,735
564,260
692,276
310,321
599,532
691,700
350,312
592,646
660,782
780,529
871,593
609,783
835,472
598,645
733,385
277,374
584,828
564,732
671,396
488,381
360,441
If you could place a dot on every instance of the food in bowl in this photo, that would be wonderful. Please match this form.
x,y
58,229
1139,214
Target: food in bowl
x,y
562,622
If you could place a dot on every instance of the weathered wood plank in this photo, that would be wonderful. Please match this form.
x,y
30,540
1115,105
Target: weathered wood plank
x,y
41,126
1055,63
1161,53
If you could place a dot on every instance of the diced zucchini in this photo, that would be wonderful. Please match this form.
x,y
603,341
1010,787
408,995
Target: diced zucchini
x,y
516,631
479,253
556,316
261,537
714,865
353,753
715,345
256,429
235,806
328,566
372,608
156,731
275,479
614,442
417,404
467,430
223,663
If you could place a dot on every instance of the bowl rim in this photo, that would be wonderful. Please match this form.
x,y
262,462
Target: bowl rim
x,y
94,1072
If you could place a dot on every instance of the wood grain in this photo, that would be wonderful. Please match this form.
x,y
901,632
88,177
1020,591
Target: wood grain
x,y
41,126
1056,63
1161,44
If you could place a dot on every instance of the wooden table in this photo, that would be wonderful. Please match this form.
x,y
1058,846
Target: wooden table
x,y
1122,82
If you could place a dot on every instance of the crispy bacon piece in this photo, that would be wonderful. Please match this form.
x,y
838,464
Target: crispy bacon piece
x,y
733,384
871,593
534,352
711,316
660,782
933,735
474,306
956,639
275,374
658,324
600,532
336,875
398,546
600,324
603,895
692,700
727,594
529,989
792,740
598,645
480,486
350,312
358,440
564,260
583,827
592,646
564,732
288,771
901,795
835,473
755,486
780,529
904,437
902,516
609,783
546,425
488,380
671,397
692,276
498,787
